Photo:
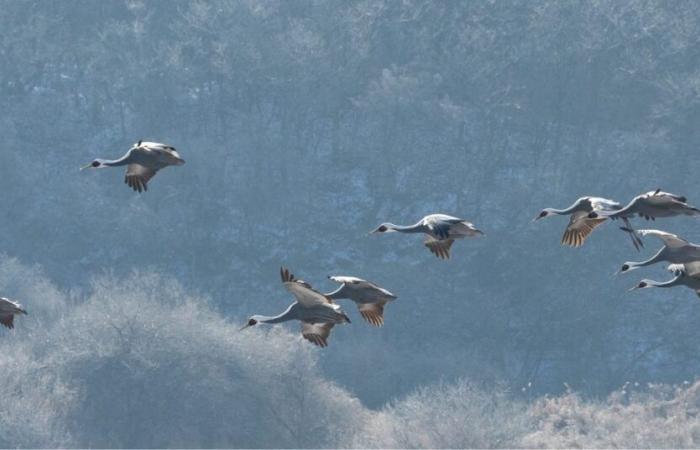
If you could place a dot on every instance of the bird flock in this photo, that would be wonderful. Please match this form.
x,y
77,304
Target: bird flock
x,y
318,312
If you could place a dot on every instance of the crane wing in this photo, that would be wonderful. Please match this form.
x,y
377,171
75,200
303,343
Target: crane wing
x,y
440,224
669,239
307,296
629,210
580,226
346,280
441,248
373,313
8,320
316,333
138,176
603,204
357,283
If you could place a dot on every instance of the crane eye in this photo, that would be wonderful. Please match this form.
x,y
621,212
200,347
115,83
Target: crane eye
x,y
543,213
382,229
95,164
625,267
252,322
642,284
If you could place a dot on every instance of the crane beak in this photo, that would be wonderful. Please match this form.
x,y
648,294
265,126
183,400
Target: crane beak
x,y
633,288
243,327
85,167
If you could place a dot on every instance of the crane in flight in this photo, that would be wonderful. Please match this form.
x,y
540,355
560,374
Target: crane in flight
x,y
441,232
142,162
369,297
675,250
650,206
582,223
687,275
8,310
316,312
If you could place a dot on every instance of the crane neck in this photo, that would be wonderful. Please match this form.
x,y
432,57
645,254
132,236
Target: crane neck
x,y
123,161
561,212
415,228
666,284
115,162
659,256
287,315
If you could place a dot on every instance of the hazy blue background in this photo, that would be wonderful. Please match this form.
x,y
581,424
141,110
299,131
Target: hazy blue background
x,y
304,124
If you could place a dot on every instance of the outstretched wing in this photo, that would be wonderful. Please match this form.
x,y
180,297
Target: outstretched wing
x,y
373,313
8,320
138,176
307,296
629,210
669,239
316,333
580,226
441,249
440,224
346,280
603,204
661,194
357,283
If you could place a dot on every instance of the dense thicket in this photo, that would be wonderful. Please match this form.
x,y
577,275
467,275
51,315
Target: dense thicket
x,y
306,123
140,362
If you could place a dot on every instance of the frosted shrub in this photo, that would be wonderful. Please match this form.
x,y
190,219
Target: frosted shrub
x,y
140,363
658,417
458,415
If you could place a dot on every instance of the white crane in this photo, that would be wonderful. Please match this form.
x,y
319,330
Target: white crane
x,y
316,312
581,223
441,231
687,275
8,310
651,205
675,250
369,297
143,161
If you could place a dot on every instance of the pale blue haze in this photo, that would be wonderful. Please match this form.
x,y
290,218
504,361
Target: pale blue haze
x,y
304,125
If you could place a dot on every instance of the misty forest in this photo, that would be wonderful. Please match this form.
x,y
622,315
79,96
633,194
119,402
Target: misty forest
x,y
305,124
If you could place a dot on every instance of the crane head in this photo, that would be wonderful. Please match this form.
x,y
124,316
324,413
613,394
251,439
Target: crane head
x,y
96,164
544,213
383,228
250,323
626,267
641,285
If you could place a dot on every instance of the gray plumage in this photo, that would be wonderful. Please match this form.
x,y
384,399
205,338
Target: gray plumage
x,y
441,231
316,312
582,222
675,250
369,297
652,205
142,162
8,310
687,275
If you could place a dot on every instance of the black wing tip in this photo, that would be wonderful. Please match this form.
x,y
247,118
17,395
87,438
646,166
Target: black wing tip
x,y
286,274
317,340
135,183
